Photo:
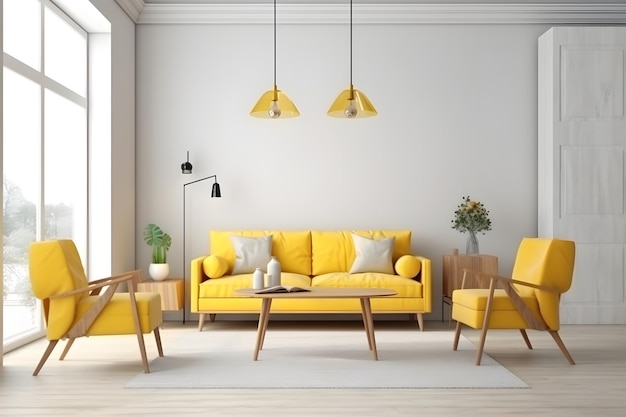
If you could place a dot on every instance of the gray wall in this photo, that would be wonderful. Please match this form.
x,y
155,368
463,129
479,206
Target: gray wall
x,y
457,115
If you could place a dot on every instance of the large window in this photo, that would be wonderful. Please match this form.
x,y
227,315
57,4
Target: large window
x,y
44,147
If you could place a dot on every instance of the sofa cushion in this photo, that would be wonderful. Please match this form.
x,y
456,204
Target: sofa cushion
x,y
372,255
291,248
251,253
214,266
408,266
468,301
225,286
333,251
404,287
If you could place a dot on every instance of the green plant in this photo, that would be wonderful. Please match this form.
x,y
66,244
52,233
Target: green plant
x,y
160,242
471,216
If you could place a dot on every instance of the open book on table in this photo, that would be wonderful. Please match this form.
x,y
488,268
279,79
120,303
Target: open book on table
x,y
281,288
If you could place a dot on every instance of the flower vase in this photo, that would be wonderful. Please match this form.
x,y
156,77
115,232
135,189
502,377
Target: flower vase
x,y
471,247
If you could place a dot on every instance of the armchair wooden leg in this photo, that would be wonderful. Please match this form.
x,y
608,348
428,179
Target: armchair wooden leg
x,y
212,318
70,341
142,345
201,321
142,351
45,356
526,339
481,345
157,337
559,342
457,335
483,333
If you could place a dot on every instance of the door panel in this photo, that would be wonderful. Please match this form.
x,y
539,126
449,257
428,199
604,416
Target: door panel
x,y
582,137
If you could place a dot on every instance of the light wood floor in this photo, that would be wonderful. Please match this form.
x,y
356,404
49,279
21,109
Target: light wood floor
x,y
90,381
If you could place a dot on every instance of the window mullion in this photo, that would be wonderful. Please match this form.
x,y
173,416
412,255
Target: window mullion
x,y
60,89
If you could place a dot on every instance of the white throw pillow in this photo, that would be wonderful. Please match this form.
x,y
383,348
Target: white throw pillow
x,y
372,255
251,253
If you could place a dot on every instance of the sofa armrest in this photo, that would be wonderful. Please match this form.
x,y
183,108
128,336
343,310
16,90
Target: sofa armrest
x,y
426,278
197,277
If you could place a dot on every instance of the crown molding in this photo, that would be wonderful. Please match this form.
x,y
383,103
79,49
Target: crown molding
x,y
133,8
400,13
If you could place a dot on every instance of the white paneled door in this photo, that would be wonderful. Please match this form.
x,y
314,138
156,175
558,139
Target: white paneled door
x,y
582,140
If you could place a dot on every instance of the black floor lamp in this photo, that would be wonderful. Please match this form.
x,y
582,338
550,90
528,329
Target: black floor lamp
x,y
215,192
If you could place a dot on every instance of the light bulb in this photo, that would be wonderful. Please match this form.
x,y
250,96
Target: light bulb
x,y
274,110
350,111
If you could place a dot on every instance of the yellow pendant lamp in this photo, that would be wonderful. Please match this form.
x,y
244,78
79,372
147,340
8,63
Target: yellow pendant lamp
x,y
351,103
274,104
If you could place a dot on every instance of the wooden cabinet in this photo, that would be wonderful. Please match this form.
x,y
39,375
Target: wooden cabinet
x,y
453,272
171,290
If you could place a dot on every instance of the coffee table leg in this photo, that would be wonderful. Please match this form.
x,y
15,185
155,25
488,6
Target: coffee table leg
x,y
369,324
268,307
365,323
264,317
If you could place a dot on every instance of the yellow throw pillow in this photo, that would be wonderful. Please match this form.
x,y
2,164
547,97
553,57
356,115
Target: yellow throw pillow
x,y
214,266
408,266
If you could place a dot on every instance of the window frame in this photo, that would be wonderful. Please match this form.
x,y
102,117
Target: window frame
x,y
46,83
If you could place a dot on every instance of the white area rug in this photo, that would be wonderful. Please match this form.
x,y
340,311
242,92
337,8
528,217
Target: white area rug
x,y
408,359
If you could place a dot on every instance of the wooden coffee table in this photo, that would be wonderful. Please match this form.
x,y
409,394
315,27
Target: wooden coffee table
x,y
363,294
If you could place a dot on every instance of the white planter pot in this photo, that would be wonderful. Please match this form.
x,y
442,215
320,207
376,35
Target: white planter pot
x,y
159,272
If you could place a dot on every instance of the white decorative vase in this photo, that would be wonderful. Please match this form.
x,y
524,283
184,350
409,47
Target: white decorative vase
x,y
273,270
257,279
159,272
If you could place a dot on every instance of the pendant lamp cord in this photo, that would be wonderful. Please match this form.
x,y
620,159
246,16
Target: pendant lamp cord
x,y
274,44
350,44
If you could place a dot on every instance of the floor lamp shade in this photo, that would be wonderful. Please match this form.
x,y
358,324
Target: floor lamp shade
x,y
215,190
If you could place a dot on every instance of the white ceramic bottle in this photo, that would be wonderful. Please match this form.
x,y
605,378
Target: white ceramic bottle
x,y
257,279
273,269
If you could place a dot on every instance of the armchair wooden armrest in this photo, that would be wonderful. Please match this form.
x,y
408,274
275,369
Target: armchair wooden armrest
x,y
136,279
96,285
507,280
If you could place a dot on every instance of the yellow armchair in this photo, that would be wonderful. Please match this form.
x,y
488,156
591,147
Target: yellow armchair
x,y
73,306
530,299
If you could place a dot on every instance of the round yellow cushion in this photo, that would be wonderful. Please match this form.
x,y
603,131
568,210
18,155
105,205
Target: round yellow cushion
x,y
408,266
215,266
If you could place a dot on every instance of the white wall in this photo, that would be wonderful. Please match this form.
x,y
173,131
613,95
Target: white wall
x,y
122,210
457,115
2,170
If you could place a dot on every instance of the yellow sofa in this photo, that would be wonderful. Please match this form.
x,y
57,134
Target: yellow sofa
x,y
312,258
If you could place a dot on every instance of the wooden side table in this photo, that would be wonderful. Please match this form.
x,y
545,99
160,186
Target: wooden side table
x,y
452,273
172,292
